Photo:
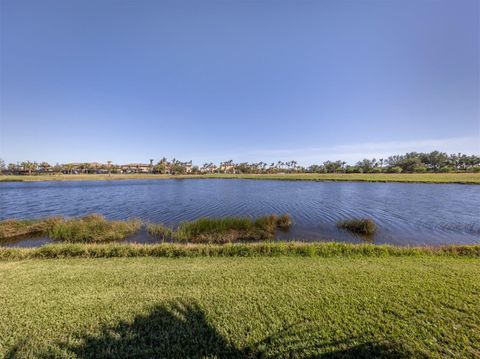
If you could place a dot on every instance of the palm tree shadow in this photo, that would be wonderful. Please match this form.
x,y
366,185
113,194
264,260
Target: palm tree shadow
x,y
175,330
182,330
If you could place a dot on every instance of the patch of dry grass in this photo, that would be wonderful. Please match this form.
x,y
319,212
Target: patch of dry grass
x,y
12,228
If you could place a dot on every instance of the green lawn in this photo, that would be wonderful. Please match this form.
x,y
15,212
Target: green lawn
x,y
467,178
412,306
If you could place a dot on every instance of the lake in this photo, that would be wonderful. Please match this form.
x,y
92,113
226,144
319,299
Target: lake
x,y
407,214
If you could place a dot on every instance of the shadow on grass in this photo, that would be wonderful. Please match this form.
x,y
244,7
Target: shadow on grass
x,y
178,330
182,330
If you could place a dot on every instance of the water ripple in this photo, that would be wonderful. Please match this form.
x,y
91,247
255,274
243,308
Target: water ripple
x,y
407,214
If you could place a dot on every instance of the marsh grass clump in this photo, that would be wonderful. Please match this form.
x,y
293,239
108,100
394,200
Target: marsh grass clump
x,y
362,226
217,230
266,223
273,222
11,228
92,229
284,222
226,230
160,231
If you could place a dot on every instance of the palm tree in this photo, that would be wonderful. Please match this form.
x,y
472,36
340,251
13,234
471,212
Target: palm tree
x,y
45,166
68,167
12,167
29,166
294,164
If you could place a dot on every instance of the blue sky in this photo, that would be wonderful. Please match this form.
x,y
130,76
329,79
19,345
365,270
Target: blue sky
x,y
98,80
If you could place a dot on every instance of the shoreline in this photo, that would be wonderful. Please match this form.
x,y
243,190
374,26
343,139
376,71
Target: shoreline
x,y
434,178
263,249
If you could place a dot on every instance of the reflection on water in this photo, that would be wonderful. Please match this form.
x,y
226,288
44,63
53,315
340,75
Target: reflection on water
x,y
407,214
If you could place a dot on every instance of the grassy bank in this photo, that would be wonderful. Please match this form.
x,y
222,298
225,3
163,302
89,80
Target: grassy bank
x,y
463,178
266,249
350,307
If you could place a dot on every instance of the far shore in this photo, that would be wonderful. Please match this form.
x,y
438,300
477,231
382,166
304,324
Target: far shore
x,y
459,178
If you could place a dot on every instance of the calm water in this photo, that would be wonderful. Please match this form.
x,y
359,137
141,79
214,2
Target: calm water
x,y
407,214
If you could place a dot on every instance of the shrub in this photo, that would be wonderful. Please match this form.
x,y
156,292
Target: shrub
x,y
395,169
420,169
93,228
446,169
353,169
364,226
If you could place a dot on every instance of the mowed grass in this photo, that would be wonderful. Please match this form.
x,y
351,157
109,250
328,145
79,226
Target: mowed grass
x,y
465,178
351,307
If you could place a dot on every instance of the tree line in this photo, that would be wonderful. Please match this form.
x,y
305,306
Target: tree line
x,y
412,162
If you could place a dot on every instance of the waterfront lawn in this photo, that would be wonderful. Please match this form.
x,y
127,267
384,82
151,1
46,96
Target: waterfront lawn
x,y
467,178
351,307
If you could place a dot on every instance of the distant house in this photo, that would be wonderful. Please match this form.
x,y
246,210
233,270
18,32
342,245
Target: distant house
x,y
94,167
188,167
84,167
44,167
71,168
136,168
227,167
208,168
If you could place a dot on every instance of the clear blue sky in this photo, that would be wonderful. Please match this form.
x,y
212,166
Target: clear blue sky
x,y
97,80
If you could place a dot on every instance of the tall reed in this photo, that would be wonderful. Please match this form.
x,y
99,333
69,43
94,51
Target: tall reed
x,y
93,228
223,230
11,228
